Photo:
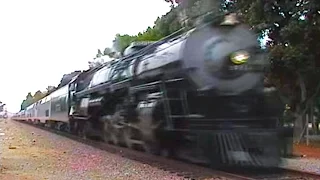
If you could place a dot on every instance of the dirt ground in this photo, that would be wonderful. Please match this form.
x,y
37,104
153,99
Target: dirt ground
x,y
21,157
311,151
28,153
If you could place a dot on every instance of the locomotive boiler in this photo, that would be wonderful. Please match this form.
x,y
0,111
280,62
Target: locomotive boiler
x,y
198,95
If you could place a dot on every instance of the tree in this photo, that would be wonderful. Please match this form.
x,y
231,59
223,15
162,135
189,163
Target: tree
x,y
50,89
107,51
293,30
27,102
174,3
66,78
191,12
164,26
187,13
99,54
93,64
38,95
123,41
31,99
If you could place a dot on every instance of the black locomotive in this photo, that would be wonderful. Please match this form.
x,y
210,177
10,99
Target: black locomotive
x,y
198,95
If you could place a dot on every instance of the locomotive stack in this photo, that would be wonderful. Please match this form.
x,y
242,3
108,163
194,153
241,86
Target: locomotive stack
x,y
199,94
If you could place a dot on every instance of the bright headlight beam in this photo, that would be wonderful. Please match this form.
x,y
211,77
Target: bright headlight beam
x,y
240,57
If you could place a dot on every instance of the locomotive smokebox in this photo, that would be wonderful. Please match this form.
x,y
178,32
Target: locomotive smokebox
x,y
227,59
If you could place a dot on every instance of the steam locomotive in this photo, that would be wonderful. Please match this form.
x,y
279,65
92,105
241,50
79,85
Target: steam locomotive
x,y
198,95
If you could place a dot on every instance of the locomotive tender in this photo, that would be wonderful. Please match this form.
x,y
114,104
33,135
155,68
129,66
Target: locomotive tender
x,y
198,94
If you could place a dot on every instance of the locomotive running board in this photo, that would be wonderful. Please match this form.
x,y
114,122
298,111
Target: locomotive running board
x,y
152,85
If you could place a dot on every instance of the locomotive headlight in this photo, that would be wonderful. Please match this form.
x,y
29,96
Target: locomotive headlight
x,y
239,57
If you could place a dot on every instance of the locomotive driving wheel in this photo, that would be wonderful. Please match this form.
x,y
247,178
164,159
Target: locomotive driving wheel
x,y
66,127
73,126
151,139
106,132
150,122
110,132
83,130
156,147
151,147
127,135
114,138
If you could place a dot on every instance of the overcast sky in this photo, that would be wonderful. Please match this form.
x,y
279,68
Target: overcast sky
x,y
40,40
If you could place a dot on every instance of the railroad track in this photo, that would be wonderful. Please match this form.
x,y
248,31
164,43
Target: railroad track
x,y
274,174
187,170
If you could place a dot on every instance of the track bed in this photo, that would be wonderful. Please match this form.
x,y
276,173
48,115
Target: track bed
x,y
188,170
273,174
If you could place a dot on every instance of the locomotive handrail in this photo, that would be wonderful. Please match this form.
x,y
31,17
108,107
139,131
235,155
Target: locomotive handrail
x,y
106,86
152,85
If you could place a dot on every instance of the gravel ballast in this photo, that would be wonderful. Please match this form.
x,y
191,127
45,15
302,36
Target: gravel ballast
x,y
309,160
30,153
303,164
34,154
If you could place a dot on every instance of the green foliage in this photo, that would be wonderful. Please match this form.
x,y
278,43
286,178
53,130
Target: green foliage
x,y
184,15
123,41
50,89
107,51
36,97
164,26
66,78
27,102
293,41
99,54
